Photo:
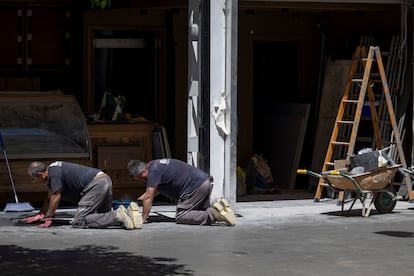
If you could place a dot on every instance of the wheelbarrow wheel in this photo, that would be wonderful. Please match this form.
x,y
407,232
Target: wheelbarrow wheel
x,y
385,202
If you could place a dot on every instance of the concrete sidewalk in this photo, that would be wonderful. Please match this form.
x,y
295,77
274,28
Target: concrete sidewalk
x,y
290,237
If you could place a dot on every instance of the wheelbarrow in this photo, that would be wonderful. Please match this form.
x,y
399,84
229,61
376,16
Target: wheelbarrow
x,y
375,183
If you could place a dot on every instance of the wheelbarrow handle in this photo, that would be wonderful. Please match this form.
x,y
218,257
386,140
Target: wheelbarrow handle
x,y
308,172
302,171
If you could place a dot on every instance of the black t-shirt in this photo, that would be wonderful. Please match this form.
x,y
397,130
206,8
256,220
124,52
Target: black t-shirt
x,y
174,178
71,178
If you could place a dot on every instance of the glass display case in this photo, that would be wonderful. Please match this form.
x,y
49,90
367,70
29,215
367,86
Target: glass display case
x,y
43,125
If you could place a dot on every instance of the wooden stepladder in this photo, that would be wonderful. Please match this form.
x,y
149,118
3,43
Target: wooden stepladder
x,y
358,91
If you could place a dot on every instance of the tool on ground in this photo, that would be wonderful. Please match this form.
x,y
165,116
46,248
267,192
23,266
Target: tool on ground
x,y
17,206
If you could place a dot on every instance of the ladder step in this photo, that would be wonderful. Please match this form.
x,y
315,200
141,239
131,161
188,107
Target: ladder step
x,y
350,101
330,163
373,59
346,122
357,80
340,143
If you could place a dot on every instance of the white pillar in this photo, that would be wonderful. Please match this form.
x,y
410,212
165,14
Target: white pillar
x,y
223,98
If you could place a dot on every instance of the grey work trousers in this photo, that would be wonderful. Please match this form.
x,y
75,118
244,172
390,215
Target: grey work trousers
x,y
95,206
193,208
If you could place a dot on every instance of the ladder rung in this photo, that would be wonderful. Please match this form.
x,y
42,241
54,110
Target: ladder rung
x,y
373,59
350,101
346,122
330,163
340,143
371,75
357,80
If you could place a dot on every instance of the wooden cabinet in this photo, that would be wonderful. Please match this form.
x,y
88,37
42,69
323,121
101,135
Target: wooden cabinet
x,y
11,31
48,37
35,37
114,145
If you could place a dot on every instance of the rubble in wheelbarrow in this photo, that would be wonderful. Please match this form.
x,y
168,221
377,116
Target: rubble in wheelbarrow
x,y
367,160
357,170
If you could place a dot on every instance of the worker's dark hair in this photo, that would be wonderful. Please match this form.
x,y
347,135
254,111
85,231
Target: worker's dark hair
x,y
135,167
36,167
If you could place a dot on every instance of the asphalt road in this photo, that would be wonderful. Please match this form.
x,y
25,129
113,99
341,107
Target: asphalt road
x,y
290,237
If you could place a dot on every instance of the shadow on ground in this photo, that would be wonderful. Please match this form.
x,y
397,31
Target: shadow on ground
x,y
399,234
64,218
84,260
350,213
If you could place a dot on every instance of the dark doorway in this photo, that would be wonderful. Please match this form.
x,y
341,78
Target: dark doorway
x,y
276,71
279,119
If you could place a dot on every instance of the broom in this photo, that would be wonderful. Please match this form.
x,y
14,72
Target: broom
x,y
18,206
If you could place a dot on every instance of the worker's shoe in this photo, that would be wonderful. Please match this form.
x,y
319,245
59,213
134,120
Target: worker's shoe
x,y
221,213
226,206
135,215
124,218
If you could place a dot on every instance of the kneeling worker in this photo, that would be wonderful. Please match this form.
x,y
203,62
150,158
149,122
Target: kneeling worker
x,y
89,187
188,185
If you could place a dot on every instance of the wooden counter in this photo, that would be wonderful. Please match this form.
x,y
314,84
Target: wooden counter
x,y
114,145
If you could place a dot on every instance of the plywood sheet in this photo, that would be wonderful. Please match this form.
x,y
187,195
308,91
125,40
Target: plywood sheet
x,y
333,89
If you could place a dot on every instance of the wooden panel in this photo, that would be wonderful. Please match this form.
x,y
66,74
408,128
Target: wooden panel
x,y
105,134
35,37
114,160
117,157
48,37
114,145
11,53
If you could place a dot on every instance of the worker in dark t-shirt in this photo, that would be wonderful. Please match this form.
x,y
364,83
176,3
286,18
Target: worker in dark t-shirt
x,y
187,185
88,187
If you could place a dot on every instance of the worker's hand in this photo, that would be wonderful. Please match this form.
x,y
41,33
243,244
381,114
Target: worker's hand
x,y
35,218
47,223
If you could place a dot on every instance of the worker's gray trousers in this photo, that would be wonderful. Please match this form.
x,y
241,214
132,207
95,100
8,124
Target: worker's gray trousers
x,y
193,208
95,206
